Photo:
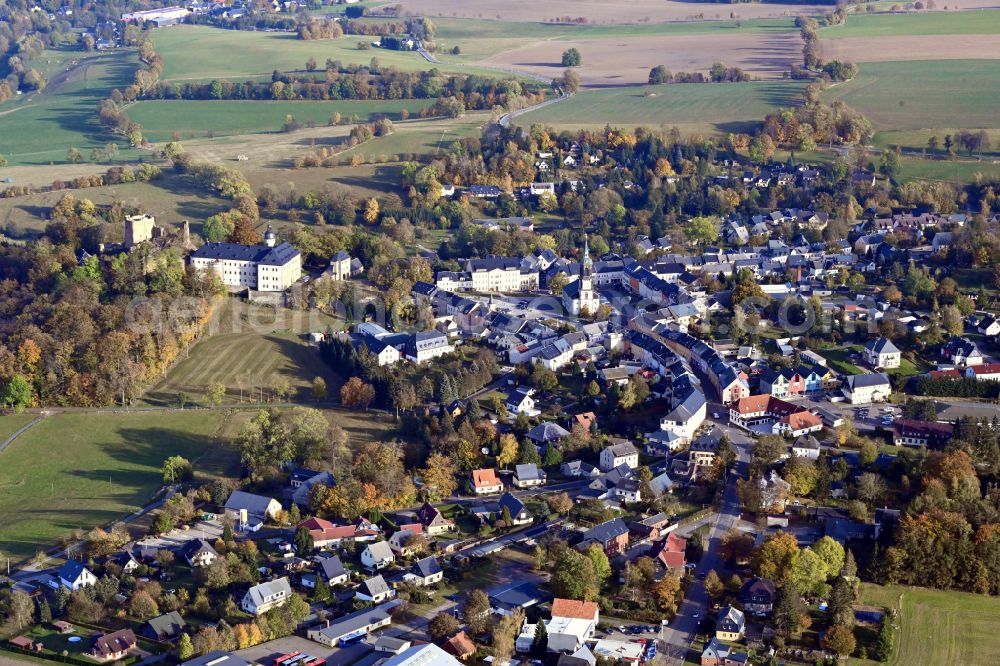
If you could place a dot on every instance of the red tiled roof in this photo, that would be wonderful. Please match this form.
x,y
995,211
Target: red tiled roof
x,y
986,369
460,645
802,420
583,610
484,478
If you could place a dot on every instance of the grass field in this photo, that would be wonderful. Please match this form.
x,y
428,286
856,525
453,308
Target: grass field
x,y
940,627
200,53
161,118
42,128
716,107
74,471
925,94
937,23
11,423
425,138
952,172
252,346
839,360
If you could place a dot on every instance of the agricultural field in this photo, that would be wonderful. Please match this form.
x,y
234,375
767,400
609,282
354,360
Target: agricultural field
x,y
924,94
161,119
711,108
44,126
627,60
940,627
73,471
933,23
596,12
249,350
201,53
916,47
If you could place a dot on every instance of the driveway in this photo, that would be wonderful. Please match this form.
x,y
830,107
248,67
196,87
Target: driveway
x,y
203,529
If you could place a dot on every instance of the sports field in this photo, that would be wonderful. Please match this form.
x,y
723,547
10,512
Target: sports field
x,y
715,107
253,348
71,472
201,53
925,94
198,118
41,128
940,627
982,22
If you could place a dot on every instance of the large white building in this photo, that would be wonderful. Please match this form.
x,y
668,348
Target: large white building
x,y
267,267
501,274
579,296
862,389
263,597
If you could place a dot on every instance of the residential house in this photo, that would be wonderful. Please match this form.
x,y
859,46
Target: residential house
x,y
622,453
377,555
359,623
486,482
251,511
650,527
628,490
927,434
113,646
547,433
424,572
528,475
520,401
324,533
433,520
881,353
863,389
332,570
669,552
573,623
519,514
164,627
989,326
987,372
774,492
806,446
757,596
374,589
460,646
264,596
401,542
962,352
730,625
612,536
73,575
198,553
576,468
717,653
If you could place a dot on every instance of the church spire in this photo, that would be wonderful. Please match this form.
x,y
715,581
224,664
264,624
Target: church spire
x,y
587,264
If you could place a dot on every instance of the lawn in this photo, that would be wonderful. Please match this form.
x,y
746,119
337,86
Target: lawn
x,y
936,23
73,471
160,119
953,172
250,347
11,423
201,53
715,107
42,128
840,360
940,627
924,94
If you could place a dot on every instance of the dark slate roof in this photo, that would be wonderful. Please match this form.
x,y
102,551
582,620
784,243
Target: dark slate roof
x,y
168,624
332,567
606,531
426,567
261,254
511,503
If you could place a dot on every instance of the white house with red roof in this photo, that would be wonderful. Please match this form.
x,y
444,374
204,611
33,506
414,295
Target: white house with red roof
x,y
572,624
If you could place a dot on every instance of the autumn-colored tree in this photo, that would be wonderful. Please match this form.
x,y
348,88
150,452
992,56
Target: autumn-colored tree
x,y
439,477
775,558
508,450
244,232
356,394
714,585
840,640
667,592
371,211
560,503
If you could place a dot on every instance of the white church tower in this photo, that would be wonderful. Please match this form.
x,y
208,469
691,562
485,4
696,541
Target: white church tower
x,y
579,295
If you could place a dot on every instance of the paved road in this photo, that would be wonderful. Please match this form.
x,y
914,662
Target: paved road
x,y
677,638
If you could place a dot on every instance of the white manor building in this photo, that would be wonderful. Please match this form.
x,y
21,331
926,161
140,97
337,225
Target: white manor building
x,y
501,274
267,267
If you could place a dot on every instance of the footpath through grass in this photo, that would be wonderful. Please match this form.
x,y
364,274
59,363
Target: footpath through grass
x,y
73,471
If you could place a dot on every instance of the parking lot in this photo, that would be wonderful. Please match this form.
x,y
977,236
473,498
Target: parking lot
x,y
209,530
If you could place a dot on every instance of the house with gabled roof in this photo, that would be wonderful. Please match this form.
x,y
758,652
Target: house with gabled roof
x,y
164,627
332,570
113,646
251,511
881,353
717,653
424,572
486,482
620,453
730,625
377,555
433,520
73,575
264,596
198,553
572,624
528,475
374,589
611,535
670,552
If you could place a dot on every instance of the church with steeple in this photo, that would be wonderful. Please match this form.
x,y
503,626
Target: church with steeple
x,y
579,295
